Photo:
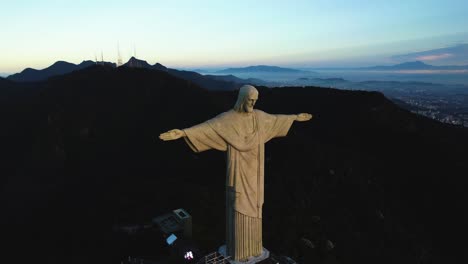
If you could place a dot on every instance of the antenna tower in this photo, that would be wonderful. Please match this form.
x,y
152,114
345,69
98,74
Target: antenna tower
x,y
119,58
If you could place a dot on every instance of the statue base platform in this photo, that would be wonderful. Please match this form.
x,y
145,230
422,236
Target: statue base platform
x,y
252,260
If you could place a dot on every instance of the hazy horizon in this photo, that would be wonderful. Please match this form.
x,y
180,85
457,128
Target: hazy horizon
x,y
317,67
183,34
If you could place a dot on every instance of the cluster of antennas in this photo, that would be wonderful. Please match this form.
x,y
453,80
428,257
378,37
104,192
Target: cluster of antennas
x,y
119,56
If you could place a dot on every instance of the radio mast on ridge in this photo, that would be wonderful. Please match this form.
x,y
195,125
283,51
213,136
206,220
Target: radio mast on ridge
x,y
119,58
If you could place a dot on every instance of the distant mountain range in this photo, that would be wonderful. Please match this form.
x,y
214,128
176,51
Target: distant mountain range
x,y
451,55
227,79
392,89
58,68
232,78
416,65
259,69
210,82
411,65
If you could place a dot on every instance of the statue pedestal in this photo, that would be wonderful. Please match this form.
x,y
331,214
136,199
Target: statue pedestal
x,y
252,260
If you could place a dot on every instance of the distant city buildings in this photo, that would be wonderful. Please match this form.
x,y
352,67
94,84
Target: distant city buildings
x,y
445,110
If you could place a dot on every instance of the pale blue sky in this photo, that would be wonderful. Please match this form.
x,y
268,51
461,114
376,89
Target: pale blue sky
x,y
220,33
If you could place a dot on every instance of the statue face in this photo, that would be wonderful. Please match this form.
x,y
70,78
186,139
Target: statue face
x,y
250,101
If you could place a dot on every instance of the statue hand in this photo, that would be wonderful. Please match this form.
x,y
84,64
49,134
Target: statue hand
x,y
172,135
303,117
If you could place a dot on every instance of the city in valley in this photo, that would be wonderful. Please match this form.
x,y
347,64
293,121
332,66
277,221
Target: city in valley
x,y
440,96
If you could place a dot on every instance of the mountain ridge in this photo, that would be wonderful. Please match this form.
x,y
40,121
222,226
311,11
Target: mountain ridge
x,y
57,68
409,65
81,151
209,82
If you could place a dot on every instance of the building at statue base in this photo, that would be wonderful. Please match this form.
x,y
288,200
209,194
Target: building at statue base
x,y
252,260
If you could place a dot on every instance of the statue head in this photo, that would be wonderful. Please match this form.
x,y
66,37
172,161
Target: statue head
x,y
248,96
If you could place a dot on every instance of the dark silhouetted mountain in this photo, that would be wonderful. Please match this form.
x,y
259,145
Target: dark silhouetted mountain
x,y
58,68
137,63
211,82
205,81
229,78
3,81
134,62
259,68
201,80
81,155
5,84
160,67
11,92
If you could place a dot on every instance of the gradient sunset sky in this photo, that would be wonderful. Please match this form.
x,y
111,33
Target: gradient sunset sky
x,y
235,33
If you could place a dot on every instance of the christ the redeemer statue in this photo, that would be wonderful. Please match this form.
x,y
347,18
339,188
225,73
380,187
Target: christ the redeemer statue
x,y
242,132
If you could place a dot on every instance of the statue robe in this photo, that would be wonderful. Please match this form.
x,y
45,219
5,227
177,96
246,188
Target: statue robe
x,y
243,137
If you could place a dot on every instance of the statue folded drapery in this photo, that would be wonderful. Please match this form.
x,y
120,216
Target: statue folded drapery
x,y
242,133
243,137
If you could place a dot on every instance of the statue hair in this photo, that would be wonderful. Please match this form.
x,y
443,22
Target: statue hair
x,y
242,97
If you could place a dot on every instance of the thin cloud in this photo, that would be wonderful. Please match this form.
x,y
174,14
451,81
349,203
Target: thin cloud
x,y
454,55
434,57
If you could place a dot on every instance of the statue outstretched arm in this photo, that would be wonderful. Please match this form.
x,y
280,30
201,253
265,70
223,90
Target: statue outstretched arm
x,y
200,137
302,117
172,135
